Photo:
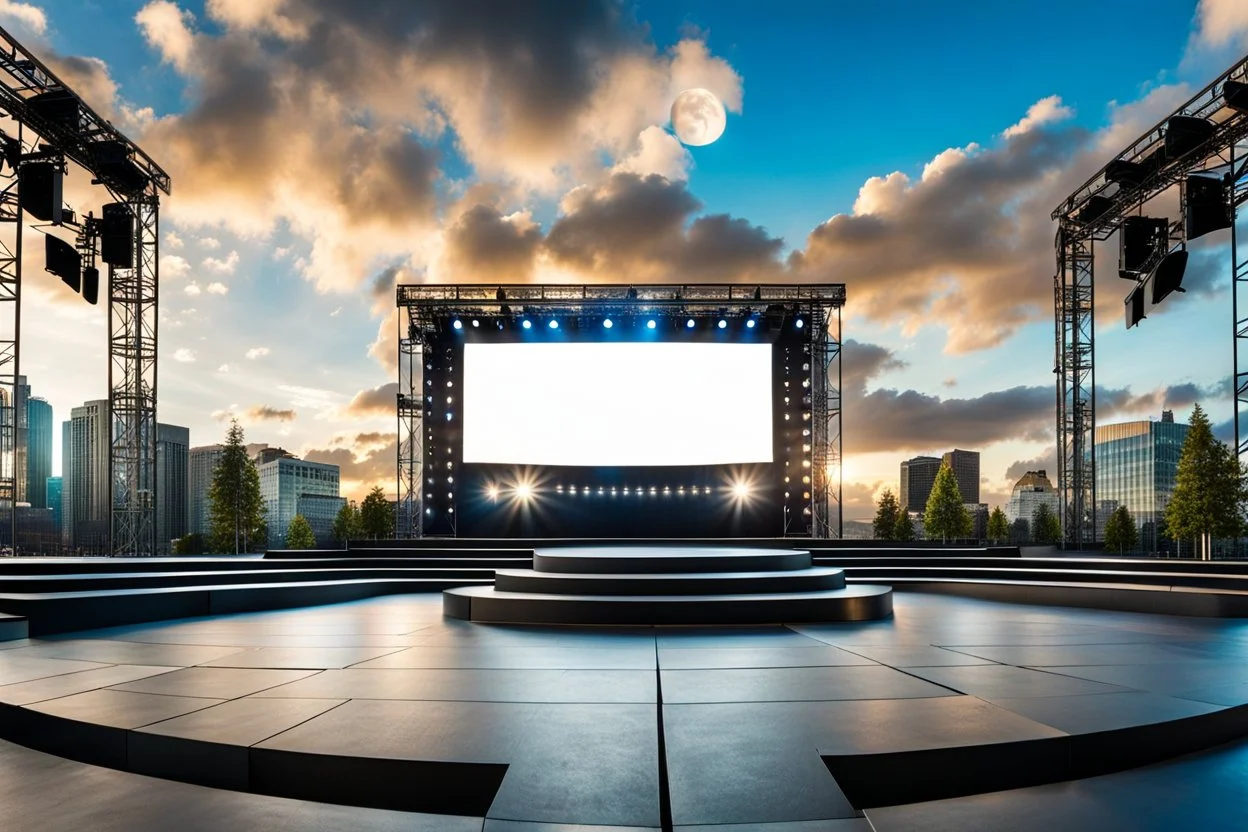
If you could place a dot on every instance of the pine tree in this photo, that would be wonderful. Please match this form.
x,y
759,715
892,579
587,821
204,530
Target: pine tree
x,y
1209,492
1120,532
903,532
376,515
945,515
1045,527
236,510
998,526
884,526
299,534
347,525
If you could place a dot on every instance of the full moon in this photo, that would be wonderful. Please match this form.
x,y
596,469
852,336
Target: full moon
x,y
698,117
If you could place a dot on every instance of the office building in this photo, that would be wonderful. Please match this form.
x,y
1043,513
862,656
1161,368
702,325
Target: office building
x,y
53,487
85,452
320,510
38,451
918,475
202,461
1137,464
965,465
283,480
172,480
1032,490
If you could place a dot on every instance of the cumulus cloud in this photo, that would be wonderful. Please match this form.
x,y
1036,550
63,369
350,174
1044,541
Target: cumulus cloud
x,y
377,401
1044,111
264,413
1221,22
216,289
257,352
225,265
168,28
25,15
192,289
173,267
366,460
172,240
184,355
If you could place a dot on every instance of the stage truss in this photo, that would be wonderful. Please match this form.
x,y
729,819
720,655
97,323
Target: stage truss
x,y
423,306
1094,212
132,178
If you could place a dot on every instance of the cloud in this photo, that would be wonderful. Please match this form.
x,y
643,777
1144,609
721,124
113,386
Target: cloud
x,y
184,355
24,14
1045,111
379,401
217,289
172,240
367,460
657,151
168,28
173,267
224,368
1221,22
222,266
257,352
191,288
264,413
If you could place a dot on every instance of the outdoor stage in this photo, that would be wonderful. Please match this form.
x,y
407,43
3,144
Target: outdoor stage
x,y
388,705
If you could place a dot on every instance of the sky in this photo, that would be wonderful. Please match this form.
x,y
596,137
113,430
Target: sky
x,y
322,151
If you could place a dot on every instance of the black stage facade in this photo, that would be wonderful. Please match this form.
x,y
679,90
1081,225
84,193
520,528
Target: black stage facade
x,y
694,411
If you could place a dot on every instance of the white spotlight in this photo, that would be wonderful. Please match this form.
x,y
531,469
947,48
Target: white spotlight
x,y
690,323
606,324
458,324
749,324
554,324
741,490
524,491
723,324
650,324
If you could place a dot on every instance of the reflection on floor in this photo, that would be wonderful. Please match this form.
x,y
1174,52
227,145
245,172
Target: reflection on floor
x,y
574,712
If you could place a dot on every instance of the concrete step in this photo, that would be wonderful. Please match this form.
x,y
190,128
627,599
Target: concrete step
x,y
632,560
695,583
13,627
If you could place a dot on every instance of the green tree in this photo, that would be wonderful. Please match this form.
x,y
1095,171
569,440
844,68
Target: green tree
x,y
903,532
299,535
376,515
347,525
998,526
191,544
945,514
884,526
1120,532
1045,527
1209,491
235,509
1020,531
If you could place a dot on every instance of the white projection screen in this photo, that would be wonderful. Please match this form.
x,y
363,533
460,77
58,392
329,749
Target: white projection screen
x,y
617,404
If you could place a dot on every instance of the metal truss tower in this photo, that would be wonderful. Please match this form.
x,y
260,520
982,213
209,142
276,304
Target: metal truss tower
x,y
1208,136
409,521
67,129
10,340
826,382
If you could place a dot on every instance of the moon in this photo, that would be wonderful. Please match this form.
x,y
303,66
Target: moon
x,y
698,117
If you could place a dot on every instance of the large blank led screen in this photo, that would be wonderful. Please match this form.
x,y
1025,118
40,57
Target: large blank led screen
x,y
617,404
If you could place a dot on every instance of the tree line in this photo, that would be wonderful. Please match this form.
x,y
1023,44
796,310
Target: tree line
x,y
237,515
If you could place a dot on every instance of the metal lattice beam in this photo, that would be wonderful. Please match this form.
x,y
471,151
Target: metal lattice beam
x,y
409,520
1074,302
10,332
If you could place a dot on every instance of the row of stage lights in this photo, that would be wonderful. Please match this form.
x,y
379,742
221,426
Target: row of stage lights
x,y
526,492
608,323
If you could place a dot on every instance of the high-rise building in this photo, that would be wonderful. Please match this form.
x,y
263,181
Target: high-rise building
x,y
172,480
202,462
53,487
965,465
918,475
22,439
1137,464
85,453
283,480
38,451
320,510
1032,490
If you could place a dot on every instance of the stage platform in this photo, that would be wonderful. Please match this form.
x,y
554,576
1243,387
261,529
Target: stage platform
x,y
668,585
387,704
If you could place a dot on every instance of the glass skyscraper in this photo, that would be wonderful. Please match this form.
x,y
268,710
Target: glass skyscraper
x,y
1137,464
283,481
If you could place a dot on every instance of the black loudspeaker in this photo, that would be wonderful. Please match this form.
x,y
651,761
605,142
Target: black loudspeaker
x,y
39,191
1140,239
1135,306
1206,206
1186,133
117,235
1168,276
1127,174
58,106
1093,209
63,260
1236,95
91,284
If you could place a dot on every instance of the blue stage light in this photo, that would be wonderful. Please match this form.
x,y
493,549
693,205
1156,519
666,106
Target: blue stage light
x,y
723,324
527,324
690,324
554,324
749,324
457,324
799,323
650,324
607,324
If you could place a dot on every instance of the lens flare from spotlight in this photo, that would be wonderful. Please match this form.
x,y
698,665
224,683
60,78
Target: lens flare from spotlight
x,y
741,491
524,492
491,492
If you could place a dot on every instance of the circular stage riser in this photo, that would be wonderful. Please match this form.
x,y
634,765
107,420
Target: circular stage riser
x,y
802,580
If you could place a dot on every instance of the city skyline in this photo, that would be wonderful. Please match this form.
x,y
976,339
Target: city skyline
x,y
277,279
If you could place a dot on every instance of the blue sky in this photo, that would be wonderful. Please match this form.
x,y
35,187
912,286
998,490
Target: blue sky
x,y
832,94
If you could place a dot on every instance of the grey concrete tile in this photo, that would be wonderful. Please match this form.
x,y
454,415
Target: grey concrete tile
x,y
1003,681
550,657
1165,679
476,685
604,754
831,825
915,655
674,638
121,709
693,658
794,684
22,667
53,687
215,682
1225,695
243,721
1105,711
127,652
496,825
310,658
1084,654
